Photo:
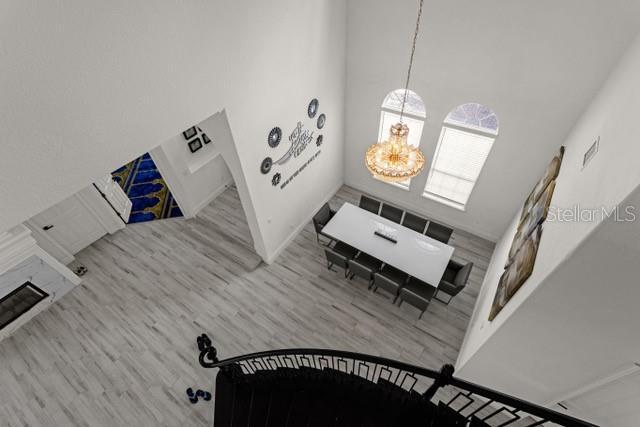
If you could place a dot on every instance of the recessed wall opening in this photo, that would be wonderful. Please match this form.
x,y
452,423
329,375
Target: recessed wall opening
x,y
150,196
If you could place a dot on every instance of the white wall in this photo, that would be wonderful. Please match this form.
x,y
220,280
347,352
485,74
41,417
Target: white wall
x,y
218,128
574,319
89,85
520,59
195,179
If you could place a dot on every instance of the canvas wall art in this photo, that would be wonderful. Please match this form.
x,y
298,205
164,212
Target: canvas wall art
x,y
517,272
524,247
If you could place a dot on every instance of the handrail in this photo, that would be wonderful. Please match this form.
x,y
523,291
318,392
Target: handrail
x,y
441,378
536,410
322,352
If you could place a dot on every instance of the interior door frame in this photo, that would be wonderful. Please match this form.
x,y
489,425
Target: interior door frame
x,y
92,201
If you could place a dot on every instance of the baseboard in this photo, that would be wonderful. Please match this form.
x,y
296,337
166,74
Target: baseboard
x,y
212,197
272,257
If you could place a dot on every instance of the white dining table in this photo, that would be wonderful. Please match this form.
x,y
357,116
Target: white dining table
x,y
416,254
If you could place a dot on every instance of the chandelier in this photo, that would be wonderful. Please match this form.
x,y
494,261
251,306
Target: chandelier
x,y
394,160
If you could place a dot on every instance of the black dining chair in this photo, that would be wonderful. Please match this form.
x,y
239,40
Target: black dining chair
x,y
454,280
391,213
339,255
414,222
418,294
438,232
345,250
391,280
364,265
369,204
320,219
334,258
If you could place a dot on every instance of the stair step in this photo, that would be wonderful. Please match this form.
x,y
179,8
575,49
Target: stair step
x,y
447,417
242,404
299,409
287,397
225,389
259,406
278,409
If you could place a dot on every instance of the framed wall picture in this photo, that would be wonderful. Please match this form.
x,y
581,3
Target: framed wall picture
x,y
205,138
190,133
195,145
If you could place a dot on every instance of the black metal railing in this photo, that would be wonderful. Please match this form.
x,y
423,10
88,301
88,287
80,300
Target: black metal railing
x,y
465,398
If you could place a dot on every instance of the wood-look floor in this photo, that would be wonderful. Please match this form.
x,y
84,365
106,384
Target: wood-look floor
x,y
119,350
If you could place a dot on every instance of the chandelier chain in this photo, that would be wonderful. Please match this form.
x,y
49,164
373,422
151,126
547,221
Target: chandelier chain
x,y
413,50
394,160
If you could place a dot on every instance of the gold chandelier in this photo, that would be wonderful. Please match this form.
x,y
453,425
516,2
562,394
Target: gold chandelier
x,y
395,160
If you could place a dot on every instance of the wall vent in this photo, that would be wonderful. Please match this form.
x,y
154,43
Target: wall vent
x,y
591,152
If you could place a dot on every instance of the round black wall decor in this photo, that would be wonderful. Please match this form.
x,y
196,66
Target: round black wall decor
x,y
274,137
319,141
265,167
276,179
321,120
312,109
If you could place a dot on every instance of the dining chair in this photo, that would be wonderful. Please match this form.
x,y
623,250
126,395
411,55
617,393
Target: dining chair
x,y
320,219
439,232
414,222
391,213
418,294
391,280
345,250
454,280
369,204
334,258
364,265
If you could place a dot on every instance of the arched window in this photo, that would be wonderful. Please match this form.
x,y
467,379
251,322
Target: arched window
x,y
465,141
413,117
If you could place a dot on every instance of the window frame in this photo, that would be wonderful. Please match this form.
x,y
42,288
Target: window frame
x,y
473,130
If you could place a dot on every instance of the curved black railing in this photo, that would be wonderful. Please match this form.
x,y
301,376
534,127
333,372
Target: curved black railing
x,y
465,398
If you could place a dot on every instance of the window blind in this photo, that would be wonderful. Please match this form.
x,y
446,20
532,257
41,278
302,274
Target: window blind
x,y
457,163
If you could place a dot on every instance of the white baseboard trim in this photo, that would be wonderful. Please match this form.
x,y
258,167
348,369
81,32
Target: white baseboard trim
x,y
212,196
272,257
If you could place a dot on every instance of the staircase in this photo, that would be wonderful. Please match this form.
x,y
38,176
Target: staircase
x,y
318,387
